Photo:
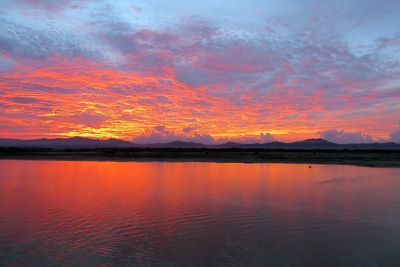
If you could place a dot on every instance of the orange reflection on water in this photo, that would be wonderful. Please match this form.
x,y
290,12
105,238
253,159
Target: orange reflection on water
x,y
88,186
158,212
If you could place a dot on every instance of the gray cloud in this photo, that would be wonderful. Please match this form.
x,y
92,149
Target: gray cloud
x,y
48,6
23,86
6,64
161,134
44,40
395,135
267,137
87,118
342,137
187,129
24,100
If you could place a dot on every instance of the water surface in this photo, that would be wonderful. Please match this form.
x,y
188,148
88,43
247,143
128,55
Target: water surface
x,y
60,213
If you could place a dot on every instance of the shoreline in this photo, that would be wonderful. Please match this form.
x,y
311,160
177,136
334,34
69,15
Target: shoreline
x,y
388,159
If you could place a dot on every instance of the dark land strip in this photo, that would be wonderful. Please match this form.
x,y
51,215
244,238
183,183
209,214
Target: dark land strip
x,y
373,158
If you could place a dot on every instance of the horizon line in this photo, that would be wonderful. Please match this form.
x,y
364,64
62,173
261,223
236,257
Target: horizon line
x,y
201,143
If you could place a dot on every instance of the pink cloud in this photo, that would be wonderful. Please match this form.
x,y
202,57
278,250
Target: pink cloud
x,y
342,137
160,134
395,135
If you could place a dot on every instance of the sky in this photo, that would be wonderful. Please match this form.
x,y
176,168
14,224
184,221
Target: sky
x,y
208,71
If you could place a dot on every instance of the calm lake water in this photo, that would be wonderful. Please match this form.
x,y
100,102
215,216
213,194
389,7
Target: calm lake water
x,y
55,213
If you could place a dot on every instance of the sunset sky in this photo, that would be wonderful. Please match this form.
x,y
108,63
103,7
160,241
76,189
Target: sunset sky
x,y
208,71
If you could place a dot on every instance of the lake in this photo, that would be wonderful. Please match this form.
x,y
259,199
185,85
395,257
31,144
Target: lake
x,y
71,213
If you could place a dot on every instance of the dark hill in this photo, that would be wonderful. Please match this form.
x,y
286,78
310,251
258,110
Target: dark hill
x,y
88,143
66,143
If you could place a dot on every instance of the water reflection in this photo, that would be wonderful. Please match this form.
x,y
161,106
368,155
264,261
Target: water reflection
x,y
197,214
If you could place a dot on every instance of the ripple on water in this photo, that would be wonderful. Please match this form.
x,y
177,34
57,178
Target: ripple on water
x,y
136,214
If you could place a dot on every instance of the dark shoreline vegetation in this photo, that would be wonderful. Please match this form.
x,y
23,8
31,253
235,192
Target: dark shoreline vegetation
x,y
372,158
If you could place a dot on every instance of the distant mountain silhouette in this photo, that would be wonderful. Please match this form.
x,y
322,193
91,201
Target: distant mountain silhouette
x,y
88,143
175,144
65,143
314,144
314,141
229,145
